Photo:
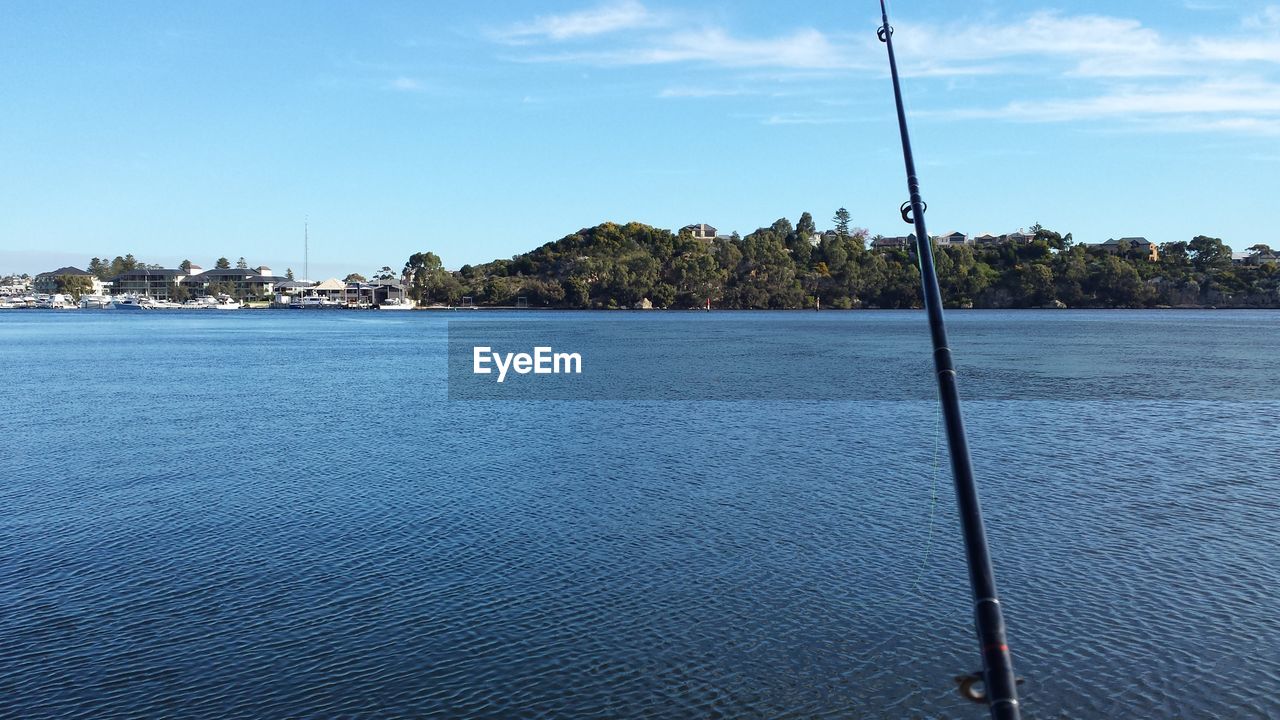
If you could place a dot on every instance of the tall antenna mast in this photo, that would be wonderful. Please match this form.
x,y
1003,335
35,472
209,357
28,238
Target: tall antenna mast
x,y
999,685
306,252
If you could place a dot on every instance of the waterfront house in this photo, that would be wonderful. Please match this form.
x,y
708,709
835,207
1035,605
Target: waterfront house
x,y
237,282
357,294
700,231
46,283
1018,237
159,283
333,289
287,291
987,240
388,289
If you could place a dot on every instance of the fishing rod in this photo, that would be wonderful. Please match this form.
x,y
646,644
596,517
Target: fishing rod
x,y
999,685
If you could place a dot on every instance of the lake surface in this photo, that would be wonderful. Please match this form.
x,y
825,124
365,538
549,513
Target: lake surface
x,y
293,514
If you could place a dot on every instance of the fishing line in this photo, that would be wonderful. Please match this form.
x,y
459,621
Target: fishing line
x,y
933,499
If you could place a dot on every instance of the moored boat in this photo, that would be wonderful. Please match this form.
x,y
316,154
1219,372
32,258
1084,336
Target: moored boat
x,y
395,304
57,301
315,302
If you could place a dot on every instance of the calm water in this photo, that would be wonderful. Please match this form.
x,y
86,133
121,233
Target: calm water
x,y
275,514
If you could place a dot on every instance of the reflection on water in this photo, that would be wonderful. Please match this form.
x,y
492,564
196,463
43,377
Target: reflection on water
x,y
277,515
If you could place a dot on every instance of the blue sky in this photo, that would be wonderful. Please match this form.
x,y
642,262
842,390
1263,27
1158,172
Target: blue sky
x,y
480,130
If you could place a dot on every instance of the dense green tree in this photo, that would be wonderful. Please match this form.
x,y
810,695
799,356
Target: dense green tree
x,y
185,266
664,295
74,285
288,273
354,277
242,264
806,229
425,274
1208,253
841,221
222,264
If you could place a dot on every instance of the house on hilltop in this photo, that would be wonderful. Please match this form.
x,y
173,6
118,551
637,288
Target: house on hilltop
x,y
699,231
951,239
1263,257
1141,245
900,242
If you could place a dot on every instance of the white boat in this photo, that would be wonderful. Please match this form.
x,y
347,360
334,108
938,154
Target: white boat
x,y
396,304
57,301
222,302
315,302
126,302
95,302
133,302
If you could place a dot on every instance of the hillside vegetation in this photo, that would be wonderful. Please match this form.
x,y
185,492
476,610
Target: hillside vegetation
x,y
786,266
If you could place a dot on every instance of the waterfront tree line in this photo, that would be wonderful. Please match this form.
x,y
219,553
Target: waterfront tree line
x,y
795,266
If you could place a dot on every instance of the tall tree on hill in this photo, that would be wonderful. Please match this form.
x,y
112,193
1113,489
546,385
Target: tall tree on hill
x,y
222,264
241,264
288,273
841,220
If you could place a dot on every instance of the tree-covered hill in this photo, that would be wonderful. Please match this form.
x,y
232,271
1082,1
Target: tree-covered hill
x,y
786,266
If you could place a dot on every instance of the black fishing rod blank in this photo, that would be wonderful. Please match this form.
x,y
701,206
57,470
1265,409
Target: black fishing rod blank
x,y
999,691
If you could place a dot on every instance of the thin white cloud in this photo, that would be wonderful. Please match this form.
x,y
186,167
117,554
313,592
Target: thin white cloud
x,y
406,84
600,20
1239,106
802,50
1238,50
702,92
803,119
1089,44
